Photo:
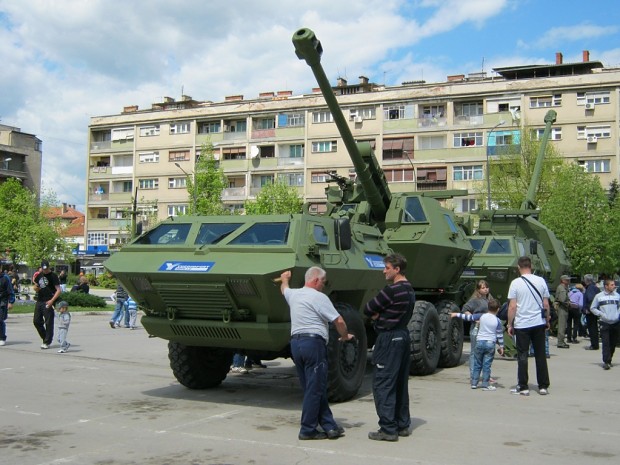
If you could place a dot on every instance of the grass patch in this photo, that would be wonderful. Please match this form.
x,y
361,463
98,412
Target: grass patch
x,y
20,308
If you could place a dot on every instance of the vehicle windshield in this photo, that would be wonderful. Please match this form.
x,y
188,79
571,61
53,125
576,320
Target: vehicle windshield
x,y
477,244
414,213
263,234
212,233
169,233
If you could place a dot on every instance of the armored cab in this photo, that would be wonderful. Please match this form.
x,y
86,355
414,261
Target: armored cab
x,y
505,235
206,283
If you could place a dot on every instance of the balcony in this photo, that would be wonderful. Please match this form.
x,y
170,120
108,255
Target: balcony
x,y
290,161
125,145
234,193
467,120
99,172
108,224
263,133
431,185
296,132
429,123
98,197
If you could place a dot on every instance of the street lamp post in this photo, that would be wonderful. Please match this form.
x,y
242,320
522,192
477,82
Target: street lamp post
x,y
501,122
193,190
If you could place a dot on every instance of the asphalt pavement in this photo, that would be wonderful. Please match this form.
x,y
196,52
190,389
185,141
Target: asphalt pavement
x,y
112,399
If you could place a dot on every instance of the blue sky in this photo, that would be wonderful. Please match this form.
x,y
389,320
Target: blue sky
x,y
65,61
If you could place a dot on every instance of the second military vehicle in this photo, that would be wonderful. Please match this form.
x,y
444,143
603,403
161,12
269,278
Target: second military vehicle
x,y
206,283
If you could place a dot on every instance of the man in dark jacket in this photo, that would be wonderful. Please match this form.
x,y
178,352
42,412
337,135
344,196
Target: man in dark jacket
x,y
7,298
591,291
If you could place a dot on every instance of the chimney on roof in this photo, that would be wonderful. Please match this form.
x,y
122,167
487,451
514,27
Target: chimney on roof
x,y
185,98
232,98
64,207
316,90
266,95
456,77
586,56
363,80
168,100
342,82
558,58
130,109
285,93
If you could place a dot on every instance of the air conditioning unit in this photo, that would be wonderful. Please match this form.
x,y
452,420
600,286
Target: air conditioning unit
x,y
589,106
358,119
592,139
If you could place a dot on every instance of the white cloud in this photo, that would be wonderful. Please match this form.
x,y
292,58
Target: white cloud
x,y
558,36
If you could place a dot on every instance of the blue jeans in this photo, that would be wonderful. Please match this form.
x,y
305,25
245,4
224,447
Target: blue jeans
x,y
546,345
238,360
118,311
483,358
310,357
473,335
62,338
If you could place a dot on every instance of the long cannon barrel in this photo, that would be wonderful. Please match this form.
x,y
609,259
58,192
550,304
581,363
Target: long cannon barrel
x,y
376,191
530,200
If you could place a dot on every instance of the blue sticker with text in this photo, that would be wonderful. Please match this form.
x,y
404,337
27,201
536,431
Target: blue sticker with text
x,y
187,267
374,261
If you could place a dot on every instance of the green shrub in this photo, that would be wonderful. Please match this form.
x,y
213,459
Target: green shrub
x,y
92,280
107,281
79,299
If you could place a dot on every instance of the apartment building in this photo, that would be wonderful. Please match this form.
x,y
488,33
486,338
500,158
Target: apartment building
x,y
427,136
20,157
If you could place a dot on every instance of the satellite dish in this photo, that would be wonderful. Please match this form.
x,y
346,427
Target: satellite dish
x,y
254,151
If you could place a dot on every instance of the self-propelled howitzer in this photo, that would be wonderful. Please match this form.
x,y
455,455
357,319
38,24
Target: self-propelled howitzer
x,y
412,223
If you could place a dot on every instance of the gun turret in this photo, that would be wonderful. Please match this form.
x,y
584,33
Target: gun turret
x,y
369,174
530,200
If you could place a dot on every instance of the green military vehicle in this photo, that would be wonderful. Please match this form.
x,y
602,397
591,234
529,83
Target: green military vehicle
x,y
505,235
206,283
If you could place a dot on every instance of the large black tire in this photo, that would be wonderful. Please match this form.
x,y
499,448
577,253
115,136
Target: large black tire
x,y
425,336
346,360
199,367
451,335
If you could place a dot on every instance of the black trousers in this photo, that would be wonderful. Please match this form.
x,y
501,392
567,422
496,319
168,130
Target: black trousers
x,y
609,338
592,329
43,321
392,358
536,336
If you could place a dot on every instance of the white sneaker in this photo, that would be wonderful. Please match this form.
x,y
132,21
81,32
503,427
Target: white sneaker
x,y
61,351
517,392
44,346
489,388
2,343
543,392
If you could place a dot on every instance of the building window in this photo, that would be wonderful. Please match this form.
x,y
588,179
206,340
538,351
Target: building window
x,y
467,173
180,128
234,126
362,113
431,178
431,142
322,117
399,175
321,176
292,120
556,134
433,111
178,155
595,166
147,131
177,183
267,151
149,183
122,134
296,151
469,109
234,153
209,127
324,146
466,205
176,210
97,238
397,148
292,179
148,157
126,186
596,98
583,132
265,123
394,112
504,138
467,139
546,101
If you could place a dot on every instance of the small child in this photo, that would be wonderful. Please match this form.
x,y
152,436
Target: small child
x,y
64,320
132,308
491,331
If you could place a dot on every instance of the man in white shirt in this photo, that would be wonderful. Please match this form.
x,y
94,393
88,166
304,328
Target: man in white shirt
x,y
528,319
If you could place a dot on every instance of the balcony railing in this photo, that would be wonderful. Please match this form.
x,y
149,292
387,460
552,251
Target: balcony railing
x,y
287,161
431,185
467,120
234,193
431,122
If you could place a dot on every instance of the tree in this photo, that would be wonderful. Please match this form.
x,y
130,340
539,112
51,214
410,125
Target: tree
x,y
512,171
207,185
275,198
24,230
577,210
